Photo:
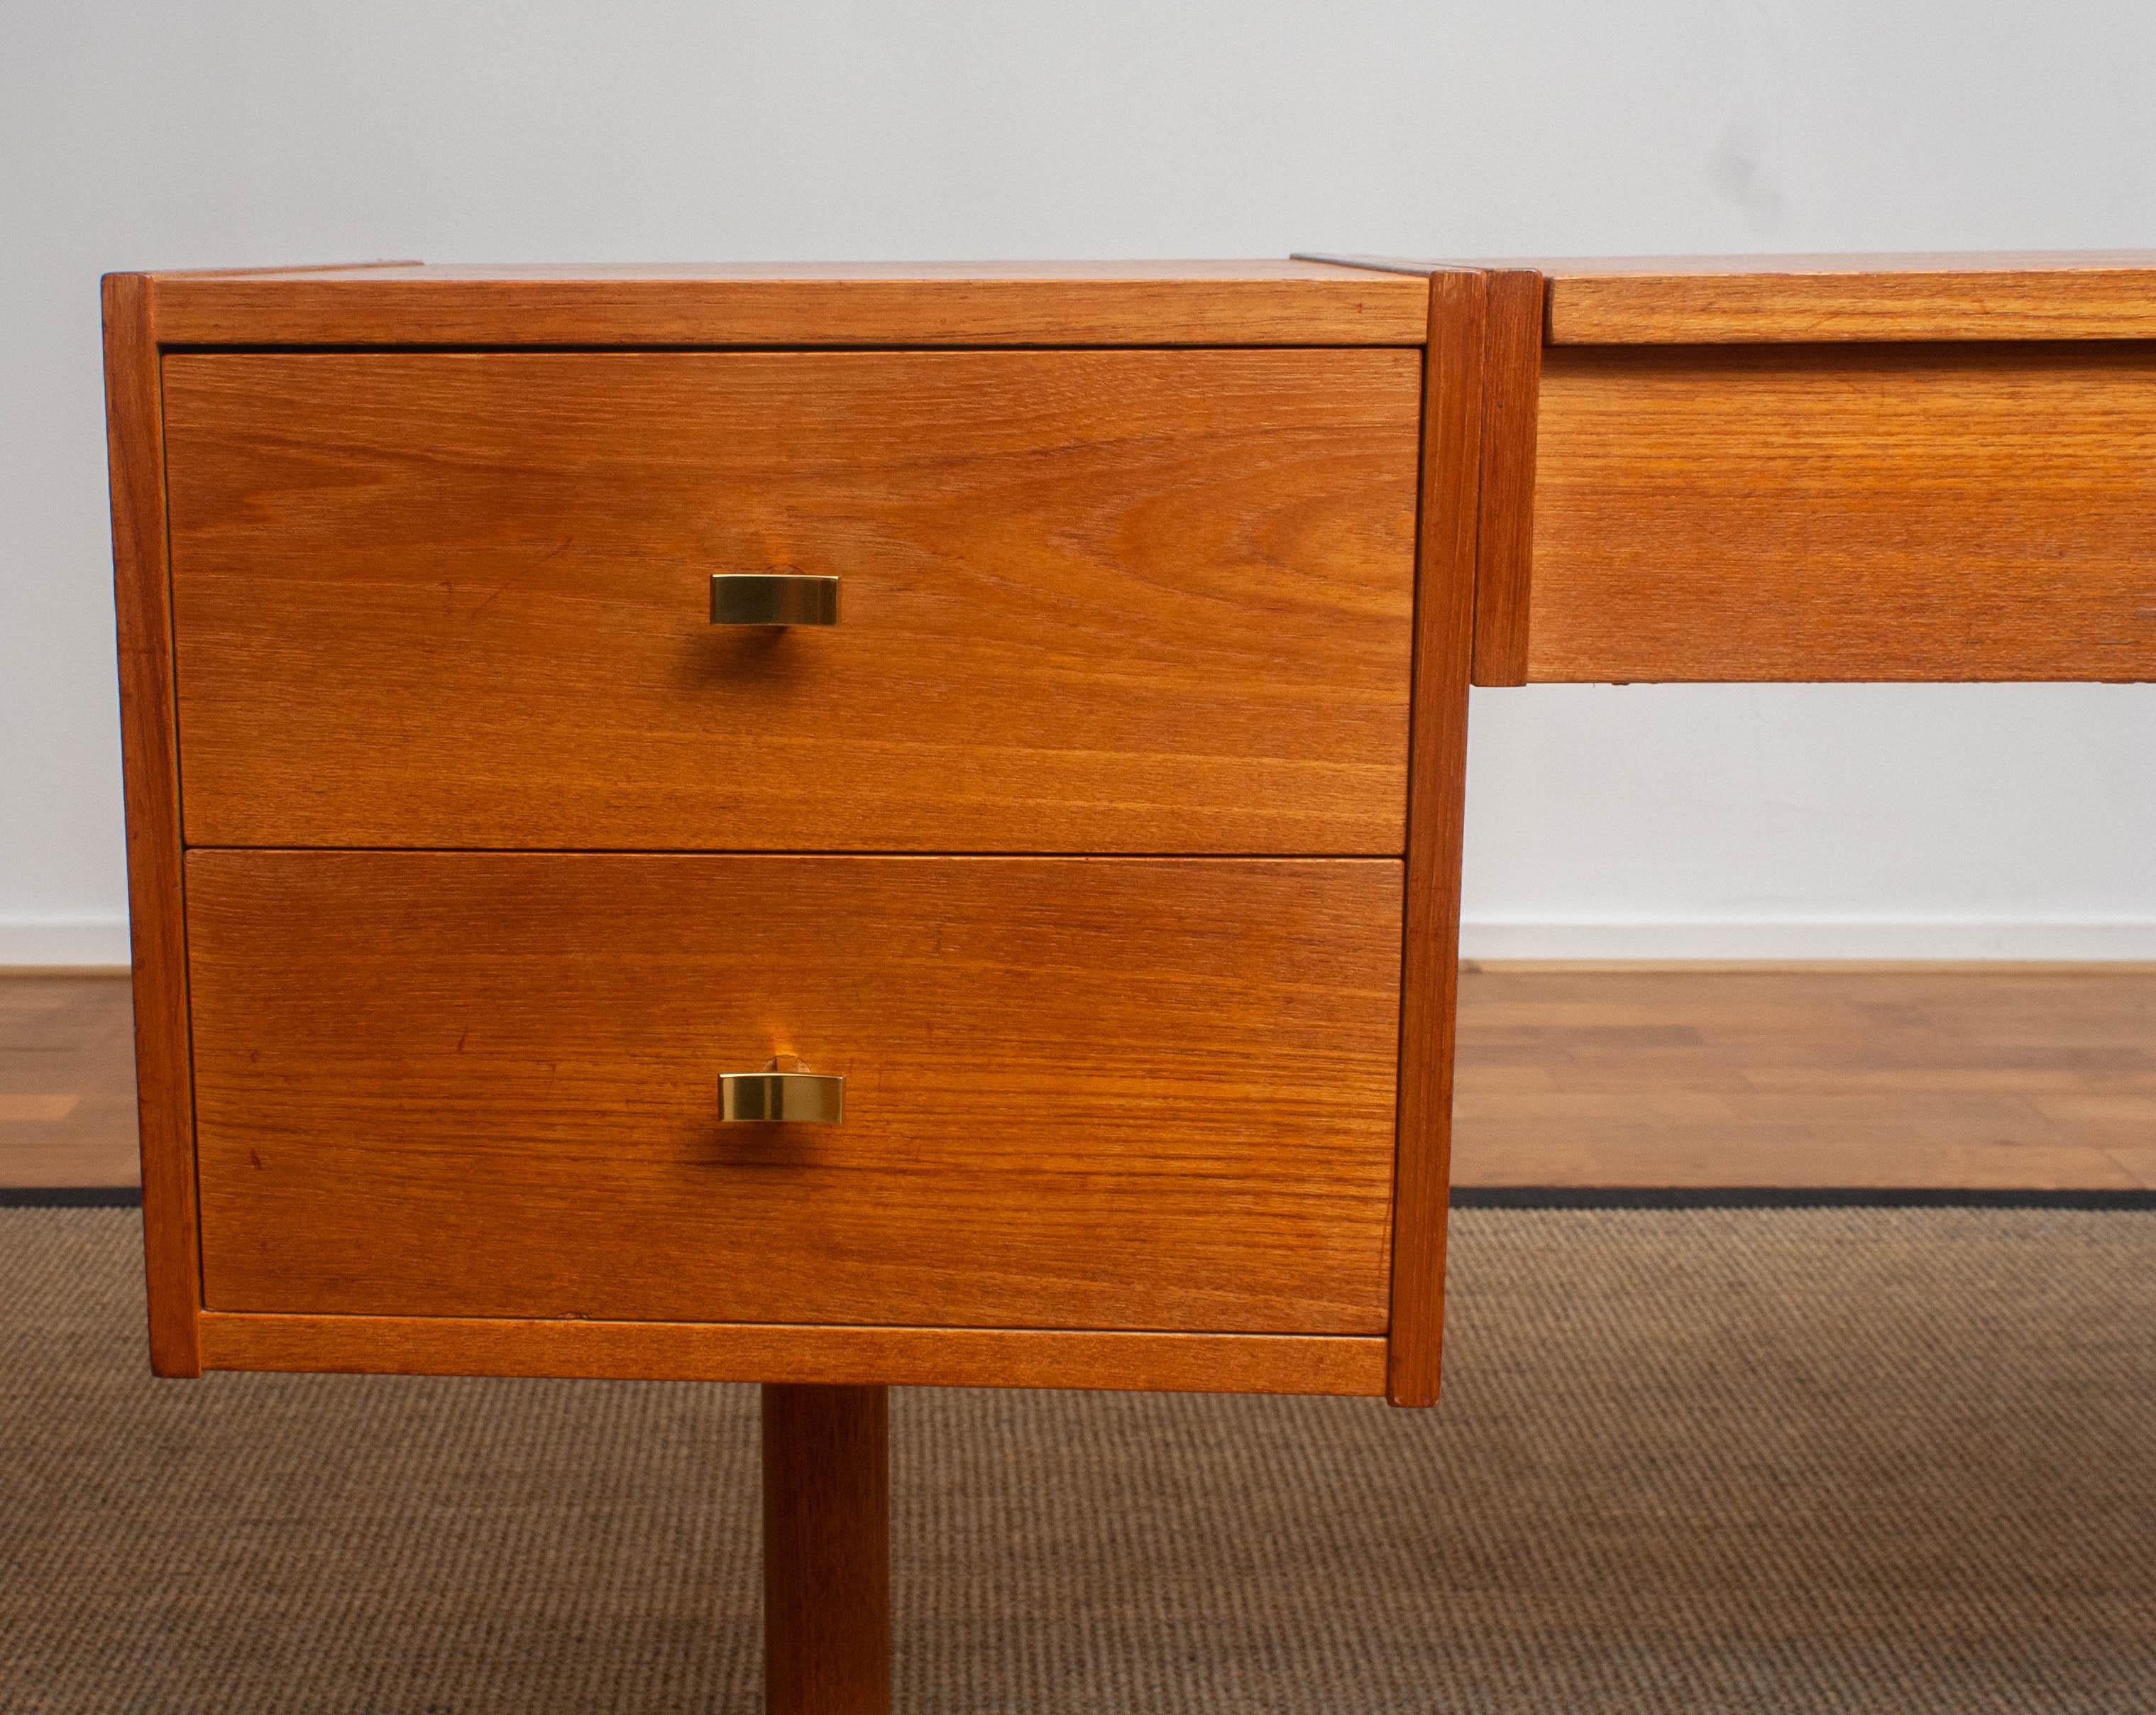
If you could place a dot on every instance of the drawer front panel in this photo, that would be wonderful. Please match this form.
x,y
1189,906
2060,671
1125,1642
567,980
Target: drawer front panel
x,y
1140,601
1081,1093
1846,512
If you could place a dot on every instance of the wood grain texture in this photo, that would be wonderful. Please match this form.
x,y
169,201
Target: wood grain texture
x,y
719,1352
1973,512
67,1082
826,1550
149,755
1831,1074
1512,378
1281,303
1091,600
1145,1093
1720,300
1445,637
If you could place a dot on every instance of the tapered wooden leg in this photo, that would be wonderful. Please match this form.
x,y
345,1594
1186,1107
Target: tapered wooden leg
x,y
826,1551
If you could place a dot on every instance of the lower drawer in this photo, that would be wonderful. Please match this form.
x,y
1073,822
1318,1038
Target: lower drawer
x,y
1081,1093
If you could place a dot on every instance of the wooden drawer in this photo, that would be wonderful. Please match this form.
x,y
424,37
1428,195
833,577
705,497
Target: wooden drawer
x,y
1138,601
1101,1094
1971,511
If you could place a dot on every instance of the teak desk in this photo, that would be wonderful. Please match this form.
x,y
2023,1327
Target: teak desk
x,y
843,826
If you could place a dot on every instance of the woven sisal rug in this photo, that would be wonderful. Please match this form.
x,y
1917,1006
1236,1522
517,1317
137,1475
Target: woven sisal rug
x,y
1804,1461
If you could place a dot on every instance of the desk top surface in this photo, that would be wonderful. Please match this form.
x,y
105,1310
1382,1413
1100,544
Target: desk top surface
x,y
1628,301
1303,301
1206,302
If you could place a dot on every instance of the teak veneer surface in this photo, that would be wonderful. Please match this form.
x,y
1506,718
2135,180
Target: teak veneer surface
x,y
1145,1093
1109,601
817,1355
1927,512
149,753
1454,404
1504,547
786,303
1634,301
1715,299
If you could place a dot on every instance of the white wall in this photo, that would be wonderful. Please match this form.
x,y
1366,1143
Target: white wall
x,y
1881,821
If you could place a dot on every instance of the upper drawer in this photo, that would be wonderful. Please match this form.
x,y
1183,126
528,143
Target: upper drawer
x,y
1143,601
1966,511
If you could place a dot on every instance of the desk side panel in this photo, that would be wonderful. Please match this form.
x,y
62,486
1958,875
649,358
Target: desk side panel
x,y
150,758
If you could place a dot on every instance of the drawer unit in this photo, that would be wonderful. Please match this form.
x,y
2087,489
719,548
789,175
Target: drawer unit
x,y
1137,601
547,697
1080,1093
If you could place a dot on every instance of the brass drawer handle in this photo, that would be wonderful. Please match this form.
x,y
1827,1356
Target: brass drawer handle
x,y
784,1089
774,598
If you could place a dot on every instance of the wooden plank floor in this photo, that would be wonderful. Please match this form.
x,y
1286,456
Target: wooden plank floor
x,y
1990,1077
67,1082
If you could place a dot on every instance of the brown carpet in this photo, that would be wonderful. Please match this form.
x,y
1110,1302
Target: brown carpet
x,y
1896,1460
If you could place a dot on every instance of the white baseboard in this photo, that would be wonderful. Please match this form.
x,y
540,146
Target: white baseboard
x,y
1871,939
27,942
